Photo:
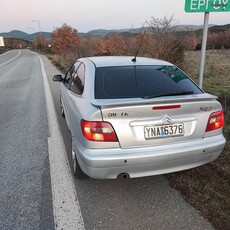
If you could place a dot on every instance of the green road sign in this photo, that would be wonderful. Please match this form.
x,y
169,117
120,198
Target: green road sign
x,y
207,6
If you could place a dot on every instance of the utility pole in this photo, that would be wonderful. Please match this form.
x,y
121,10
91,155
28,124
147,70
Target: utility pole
x,y
34,41
39,25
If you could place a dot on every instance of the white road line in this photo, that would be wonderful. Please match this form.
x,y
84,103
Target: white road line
x,y
5,53
66,208
10,60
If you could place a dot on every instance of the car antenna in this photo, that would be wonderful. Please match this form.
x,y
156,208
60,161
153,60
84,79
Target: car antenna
x,y
135,58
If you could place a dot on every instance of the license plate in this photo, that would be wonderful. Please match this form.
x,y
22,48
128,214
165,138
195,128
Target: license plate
x,y
163,131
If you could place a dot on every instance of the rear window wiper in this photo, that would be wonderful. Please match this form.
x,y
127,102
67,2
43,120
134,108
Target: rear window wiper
x,y
169,94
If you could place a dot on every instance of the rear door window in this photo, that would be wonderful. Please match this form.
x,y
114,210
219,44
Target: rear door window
x,y
70,74
141,81
78,80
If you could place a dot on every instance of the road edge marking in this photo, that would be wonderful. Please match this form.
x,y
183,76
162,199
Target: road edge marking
x,y
66,208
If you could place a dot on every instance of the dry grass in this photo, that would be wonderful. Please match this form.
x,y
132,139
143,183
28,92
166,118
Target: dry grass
x,y
208,187
61,63
216,71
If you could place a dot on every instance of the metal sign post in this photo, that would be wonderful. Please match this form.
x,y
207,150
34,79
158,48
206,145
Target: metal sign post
x,y
203,48
206,6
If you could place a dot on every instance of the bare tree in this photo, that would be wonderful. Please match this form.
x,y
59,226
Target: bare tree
x,y
165,43
161,26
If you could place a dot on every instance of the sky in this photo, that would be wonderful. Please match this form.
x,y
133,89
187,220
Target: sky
x,y
86,15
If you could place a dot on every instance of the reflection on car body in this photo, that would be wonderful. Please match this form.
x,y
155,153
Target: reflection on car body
x,y
137,118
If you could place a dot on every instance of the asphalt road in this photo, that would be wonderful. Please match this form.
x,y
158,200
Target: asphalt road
x,y
27,176
26,201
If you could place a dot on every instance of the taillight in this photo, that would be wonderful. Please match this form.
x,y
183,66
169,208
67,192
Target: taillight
x,y
215,121
98,131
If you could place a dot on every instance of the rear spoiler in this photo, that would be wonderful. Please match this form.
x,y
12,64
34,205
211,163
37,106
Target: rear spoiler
x,y
159,100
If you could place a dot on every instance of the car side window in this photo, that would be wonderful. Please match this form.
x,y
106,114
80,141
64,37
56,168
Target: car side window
x,y
78,81
70,74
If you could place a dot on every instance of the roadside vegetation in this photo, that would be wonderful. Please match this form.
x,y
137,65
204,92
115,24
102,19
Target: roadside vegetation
x,y
207,188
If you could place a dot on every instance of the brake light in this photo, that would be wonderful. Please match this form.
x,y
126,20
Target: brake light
x,y
215,121
98,131
166,107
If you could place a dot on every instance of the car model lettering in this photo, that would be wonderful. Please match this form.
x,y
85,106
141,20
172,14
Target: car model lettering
x,y
112,115
206,109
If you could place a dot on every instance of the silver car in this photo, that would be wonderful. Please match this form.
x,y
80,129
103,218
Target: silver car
x,y
135,118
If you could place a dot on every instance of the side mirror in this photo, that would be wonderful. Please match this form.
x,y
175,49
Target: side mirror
x,y
57,77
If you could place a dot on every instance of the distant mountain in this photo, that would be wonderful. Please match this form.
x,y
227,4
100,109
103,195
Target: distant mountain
x,y
15,34
98,33
102,32
24,36
189,27
217,29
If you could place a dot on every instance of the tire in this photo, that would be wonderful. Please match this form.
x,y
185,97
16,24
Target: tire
x,y
78,173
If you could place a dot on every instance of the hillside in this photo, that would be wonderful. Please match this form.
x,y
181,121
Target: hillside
x,y
24,36
102,32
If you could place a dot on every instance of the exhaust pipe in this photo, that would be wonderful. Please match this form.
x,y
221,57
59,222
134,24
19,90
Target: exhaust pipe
x,y
123,176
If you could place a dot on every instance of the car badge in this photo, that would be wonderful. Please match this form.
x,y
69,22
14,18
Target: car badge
x,y
166,120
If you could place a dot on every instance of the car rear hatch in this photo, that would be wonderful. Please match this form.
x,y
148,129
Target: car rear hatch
x,y
158,121
152,105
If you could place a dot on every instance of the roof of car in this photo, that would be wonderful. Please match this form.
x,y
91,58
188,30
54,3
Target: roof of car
x,y
105,61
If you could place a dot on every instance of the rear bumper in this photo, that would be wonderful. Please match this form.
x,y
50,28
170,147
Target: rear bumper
x,y
148,161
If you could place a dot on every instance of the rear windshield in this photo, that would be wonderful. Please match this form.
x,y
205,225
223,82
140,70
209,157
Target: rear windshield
x,y
142,81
